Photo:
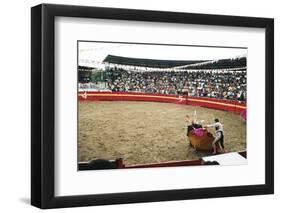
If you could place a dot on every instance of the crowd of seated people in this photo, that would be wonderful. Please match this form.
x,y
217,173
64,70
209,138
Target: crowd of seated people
x,y
213,84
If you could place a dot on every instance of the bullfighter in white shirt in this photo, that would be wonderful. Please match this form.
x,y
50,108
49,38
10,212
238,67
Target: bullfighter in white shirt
x,y
219,137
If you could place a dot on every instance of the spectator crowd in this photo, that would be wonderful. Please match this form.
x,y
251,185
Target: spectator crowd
x,y
214,84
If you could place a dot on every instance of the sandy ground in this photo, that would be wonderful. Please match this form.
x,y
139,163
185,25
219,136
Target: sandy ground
x,y
147,132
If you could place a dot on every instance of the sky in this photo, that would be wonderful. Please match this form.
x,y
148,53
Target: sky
x,y
93,53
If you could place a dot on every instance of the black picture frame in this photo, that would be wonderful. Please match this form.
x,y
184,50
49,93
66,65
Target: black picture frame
x,y
43,105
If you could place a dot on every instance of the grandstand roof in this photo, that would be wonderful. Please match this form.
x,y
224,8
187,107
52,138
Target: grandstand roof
x,y
155,63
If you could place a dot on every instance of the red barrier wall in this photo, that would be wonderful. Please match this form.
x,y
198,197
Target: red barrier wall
x,y
231,106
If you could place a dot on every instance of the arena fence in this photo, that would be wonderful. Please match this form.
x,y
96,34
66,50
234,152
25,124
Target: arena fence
x,y
227,105
119,164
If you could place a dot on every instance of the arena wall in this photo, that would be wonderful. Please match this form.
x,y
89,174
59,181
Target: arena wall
x,y
227,105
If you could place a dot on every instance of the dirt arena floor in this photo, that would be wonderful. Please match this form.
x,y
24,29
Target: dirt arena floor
x,y
147,132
